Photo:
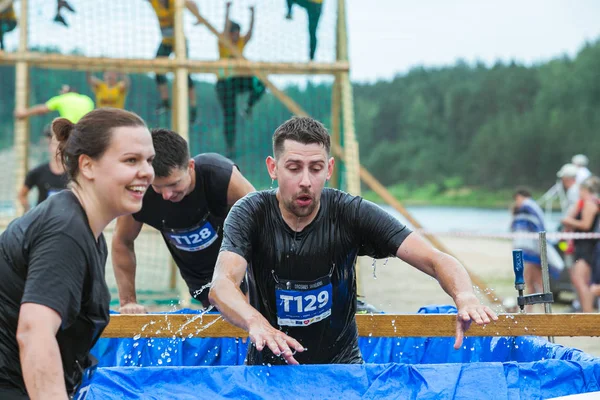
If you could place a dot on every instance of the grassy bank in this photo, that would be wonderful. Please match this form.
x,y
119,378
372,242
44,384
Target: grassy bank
x,y
437,195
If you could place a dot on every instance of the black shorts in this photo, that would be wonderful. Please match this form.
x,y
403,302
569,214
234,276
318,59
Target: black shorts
x,y
584,250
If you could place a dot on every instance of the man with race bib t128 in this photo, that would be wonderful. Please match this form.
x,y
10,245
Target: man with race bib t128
x,y
299,243
187,202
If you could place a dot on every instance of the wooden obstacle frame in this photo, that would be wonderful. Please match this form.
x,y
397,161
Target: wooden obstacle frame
x,y
377,325
344,143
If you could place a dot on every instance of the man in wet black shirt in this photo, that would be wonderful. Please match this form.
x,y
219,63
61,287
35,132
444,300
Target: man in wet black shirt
x,y
299,243
188,202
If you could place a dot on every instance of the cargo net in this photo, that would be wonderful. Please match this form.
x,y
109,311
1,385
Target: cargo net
x,y
231,115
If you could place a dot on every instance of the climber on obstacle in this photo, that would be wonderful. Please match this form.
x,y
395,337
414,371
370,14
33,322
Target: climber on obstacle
x,y
165,12
60,4
229,88
69,104
313,9
8,20
188,202
299,243
110,92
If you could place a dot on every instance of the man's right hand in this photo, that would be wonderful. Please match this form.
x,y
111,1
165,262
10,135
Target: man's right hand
x,y
262,334
132,308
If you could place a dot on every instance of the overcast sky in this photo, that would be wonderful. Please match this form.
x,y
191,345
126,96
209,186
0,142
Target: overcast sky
x,y
386,37
391,36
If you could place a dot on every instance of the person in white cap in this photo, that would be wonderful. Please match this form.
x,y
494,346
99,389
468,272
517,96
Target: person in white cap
x,y
568,176
581,162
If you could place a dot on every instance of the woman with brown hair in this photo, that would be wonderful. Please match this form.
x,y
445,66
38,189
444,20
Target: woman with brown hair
x,y
54,302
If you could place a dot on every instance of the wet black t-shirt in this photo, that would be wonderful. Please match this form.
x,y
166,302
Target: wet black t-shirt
x,y
50,257
46,181
192,228
304,282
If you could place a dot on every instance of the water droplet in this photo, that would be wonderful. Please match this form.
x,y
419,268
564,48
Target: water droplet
x,y
159,361
136,337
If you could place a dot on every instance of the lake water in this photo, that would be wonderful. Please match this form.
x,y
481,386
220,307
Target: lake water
x,y
466,219
435,218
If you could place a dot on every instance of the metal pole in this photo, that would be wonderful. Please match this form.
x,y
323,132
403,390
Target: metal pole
x,y
545,274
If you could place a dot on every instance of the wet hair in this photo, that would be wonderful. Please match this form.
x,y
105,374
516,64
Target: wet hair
x,y
171,152
90,136
304,130
234,27
522,191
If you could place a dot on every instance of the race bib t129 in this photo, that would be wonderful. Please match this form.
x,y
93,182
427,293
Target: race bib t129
x,y
303,303
193,239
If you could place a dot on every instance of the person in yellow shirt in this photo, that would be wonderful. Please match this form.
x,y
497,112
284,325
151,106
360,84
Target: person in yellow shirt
x,y
110,92
8,20
229,88
165,12
313,9
69,104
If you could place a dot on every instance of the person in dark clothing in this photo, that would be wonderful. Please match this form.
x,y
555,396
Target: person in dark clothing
x,y
48,178
188,202
299,243
54,301
313,9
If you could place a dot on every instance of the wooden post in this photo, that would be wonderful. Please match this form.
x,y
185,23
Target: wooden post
x,y
352,162
180,88
336,95
21,101
180,117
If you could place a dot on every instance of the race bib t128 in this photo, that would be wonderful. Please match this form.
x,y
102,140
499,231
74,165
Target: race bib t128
x,y
192,239
303,303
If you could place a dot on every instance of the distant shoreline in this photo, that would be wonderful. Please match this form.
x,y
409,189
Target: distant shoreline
x,y
433,195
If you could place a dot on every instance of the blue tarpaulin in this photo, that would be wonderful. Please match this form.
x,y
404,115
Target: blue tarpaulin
x,y
423,368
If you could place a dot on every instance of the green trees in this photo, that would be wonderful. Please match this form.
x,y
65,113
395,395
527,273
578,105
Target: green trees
x,y
494,127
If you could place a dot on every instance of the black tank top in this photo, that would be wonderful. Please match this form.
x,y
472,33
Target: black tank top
x,y
192,228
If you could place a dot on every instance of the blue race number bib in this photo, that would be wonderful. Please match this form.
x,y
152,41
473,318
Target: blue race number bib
x,y
194,239
303,304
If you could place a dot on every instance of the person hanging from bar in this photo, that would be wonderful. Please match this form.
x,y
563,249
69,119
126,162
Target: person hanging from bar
x,y
110,92
165,12
60,4
8,20
229,88
313,9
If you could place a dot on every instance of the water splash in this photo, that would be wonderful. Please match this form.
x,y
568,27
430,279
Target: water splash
x,y
199,291
374,266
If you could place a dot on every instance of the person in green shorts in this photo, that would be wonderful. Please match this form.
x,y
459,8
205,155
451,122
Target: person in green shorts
x,y
313,9
69,104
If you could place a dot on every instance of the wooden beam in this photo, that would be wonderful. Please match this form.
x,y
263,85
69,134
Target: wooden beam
x,y
336,99
21,139
380,325
226,68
